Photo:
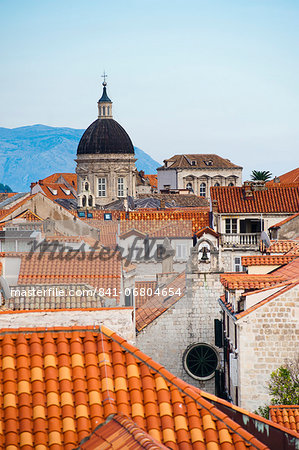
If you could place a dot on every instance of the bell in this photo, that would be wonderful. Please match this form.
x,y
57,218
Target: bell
x,y
204,256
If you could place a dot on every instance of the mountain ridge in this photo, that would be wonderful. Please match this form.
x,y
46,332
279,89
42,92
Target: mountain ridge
x,y
33,152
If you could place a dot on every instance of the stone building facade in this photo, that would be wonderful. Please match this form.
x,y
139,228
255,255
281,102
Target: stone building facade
x,y
198,173
186,330
258,341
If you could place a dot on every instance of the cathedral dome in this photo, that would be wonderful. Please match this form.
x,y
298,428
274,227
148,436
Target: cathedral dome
x,y
105,136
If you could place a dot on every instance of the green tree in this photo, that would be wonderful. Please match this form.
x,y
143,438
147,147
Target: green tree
x,y
283,386
261,175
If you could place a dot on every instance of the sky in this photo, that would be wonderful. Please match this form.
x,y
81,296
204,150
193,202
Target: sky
x,y
192,76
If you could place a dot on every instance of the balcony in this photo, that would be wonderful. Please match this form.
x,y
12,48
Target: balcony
x,y
240,240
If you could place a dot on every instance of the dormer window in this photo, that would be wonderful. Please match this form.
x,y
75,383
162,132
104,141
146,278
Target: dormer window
x,y
209,162
193,163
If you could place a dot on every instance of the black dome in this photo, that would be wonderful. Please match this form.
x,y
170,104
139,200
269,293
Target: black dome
x,y
105,136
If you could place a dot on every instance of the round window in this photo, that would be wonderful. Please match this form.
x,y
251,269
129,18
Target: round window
x,y
200,361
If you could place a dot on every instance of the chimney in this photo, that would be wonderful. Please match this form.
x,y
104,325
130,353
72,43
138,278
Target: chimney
x,y
214,206
247,190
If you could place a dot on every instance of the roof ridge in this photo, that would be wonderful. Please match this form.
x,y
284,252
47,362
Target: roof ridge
x,y
182,385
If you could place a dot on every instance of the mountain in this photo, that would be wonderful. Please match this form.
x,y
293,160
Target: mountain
x,y
31,153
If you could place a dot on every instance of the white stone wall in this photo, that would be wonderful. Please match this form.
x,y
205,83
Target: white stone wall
x,y
189,321
267,337
119,320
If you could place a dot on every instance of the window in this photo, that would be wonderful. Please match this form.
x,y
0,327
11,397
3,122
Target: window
x,y
231,184
84,201
238,265
217,184
120,187
102,187
202,190
193,163
189,186
129,299
81,214
230,226
181,251
104,110
89,215
86,186
90,200
160,252
200,361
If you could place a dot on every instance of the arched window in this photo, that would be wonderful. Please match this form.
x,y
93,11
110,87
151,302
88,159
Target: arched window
x,y
84,201
104,110
217,184
231,184
189,186
202,190
90,200
86,186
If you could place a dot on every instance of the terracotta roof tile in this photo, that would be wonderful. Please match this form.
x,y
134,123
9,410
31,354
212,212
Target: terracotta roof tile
x,y
145,290
119,432
267,260
68,387
283,199
281,246
6,212
246,281
71,178
159,303
287,178
286,416
184,161
92,270
153,179
24,300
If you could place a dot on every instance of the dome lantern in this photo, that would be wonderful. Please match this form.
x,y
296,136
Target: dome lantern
x,y
104,104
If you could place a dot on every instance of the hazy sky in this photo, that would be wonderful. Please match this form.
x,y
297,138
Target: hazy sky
x,y
185,76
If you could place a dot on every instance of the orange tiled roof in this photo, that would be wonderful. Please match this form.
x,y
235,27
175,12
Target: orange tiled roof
x,y
266,260
153,179
145,290
27,215
58,385
119,432
185,161
246,281
159,303
91,270
71,178
286,415
6,212
61,189
281,246
283,199
287,178
289,271
207,230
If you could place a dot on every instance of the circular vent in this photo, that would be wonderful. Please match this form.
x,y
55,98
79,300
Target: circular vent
x,y
200,361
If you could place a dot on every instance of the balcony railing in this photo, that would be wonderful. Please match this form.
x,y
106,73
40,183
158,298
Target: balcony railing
x,y
242,239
